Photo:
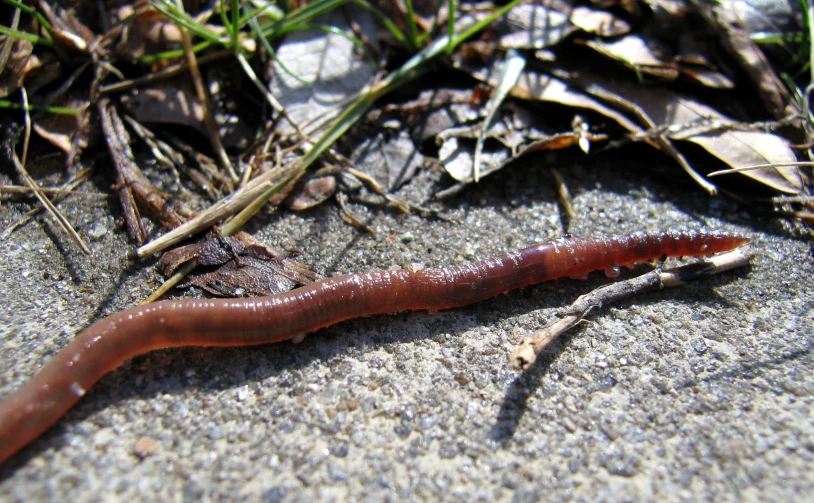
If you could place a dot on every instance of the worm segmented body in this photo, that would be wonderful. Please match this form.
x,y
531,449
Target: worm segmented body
x,y
37,405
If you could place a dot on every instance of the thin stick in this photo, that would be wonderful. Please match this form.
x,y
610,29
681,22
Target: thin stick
x,y
378,189
203,96
19,165
60,218
68,186
270,97
760,166
176,278
27,122
527,351
217,212
565,195
18,189
162,74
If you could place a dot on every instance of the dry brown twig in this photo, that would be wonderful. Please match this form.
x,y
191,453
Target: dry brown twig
x,y
20,190
527,351
48,205
564,194
221,209
759,166
163,74
203,97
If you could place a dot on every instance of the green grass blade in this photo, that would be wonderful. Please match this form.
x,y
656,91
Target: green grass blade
x,y
34,39
182,19
414,67
468,32
258,32
304,15
451,26
33,12
412,30
35,108
173,54
236,24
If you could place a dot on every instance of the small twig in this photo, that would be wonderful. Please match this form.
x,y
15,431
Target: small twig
x,y
8,43
166,286
27,122
565,195
221,209
118,143
19,165
348,217
18,189
67,187
527,351
378,189
60,218
802,215
163,74
247,69
760,166
203,96
803,198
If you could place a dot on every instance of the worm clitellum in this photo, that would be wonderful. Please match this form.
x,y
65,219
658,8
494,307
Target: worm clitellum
x,y
37,405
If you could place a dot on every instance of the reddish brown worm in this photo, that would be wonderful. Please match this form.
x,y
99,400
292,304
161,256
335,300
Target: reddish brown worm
x,y
37,405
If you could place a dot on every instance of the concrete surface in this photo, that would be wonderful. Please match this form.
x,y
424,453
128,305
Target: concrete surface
x,y
703,393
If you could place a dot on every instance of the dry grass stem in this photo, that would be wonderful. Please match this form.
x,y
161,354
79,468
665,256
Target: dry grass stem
x,y
18,189
163,74
760,166
565,195
48,205
176,278
219,211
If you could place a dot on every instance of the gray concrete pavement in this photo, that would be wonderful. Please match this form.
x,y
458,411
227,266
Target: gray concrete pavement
x,y
702,393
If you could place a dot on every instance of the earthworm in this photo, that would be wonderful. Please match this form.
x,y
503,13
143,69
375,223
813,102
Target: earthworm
x,y
38,404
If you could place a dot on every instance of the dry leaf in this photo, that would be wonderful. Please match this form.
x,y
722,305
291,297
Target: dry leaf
x,y
148,32
19,63
534,26
725,21
692,120
565,140
60,128
634,52
541,87
314,72
639,54
458,158
707,77
67,28
238,266
600,22
166,104
313,193
665,108
390,159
